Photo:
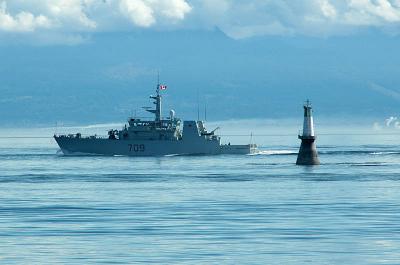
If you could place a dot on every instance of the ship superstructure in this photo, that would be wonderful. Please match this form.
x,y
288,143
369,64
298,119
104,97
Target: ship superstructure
x,y
157,137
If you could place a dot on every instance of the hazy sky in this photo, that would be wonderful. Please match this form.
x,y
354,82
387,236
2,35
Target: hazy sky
x,y
95,60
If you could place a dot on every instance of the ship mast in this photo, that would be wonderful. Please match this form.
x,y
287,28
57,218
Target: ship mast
x,y
157,102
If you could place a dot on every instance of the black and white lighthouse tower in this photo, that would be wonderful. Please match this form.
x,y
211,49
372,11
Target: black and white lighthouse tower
x,y
308,152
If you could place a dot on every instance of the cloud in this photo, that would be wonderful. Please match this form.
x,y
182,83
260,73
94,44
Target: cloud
x,y
242,19
385,91
145,13
389,121
87,15
328,10
70,13
376,126
22,21
138,12
392,122
237,19
50,16
365,12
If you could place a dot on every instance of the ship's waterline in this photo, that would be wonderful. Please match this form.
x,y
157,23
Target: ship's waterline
x,y
72,145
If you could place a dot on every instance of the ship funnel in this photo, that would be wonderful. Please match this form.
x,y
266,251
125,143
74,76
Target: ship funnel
x,y
172,114
308,151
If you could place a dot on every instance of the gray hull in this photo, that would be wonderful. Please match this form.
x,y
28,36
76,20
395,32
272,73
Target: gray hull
x,y
99,146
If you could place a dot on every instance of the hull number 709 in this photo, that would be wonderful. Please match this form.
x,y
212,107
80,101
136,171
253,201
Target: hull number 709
x,y
136,147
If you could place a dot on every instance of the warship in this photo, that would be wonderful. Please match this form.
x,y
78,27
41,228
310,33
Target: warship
x,y
158,137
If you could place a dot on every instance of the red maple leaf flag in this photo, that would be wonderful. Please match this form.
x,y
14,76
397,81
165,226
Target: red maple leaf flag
x,y
163,87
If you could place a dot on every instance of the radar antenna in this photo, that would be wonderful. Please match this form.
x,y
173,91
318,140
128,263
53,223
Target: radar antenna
x,y
157,100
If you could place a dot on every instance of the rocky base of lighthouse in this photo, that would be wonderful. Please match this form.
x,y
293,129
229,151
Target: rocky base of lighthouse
x,y
308,154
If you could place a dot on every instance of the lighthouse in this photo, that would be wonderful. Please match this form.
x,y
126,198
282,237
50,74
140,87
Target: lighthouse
x,y
308,152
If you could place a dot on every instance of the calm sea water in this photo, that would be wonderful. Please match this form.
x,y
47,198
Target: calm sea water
x,y
255,209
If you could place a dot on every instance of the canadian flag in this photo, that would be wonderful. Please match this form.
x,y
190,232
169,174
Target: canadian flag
x,y
163,87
